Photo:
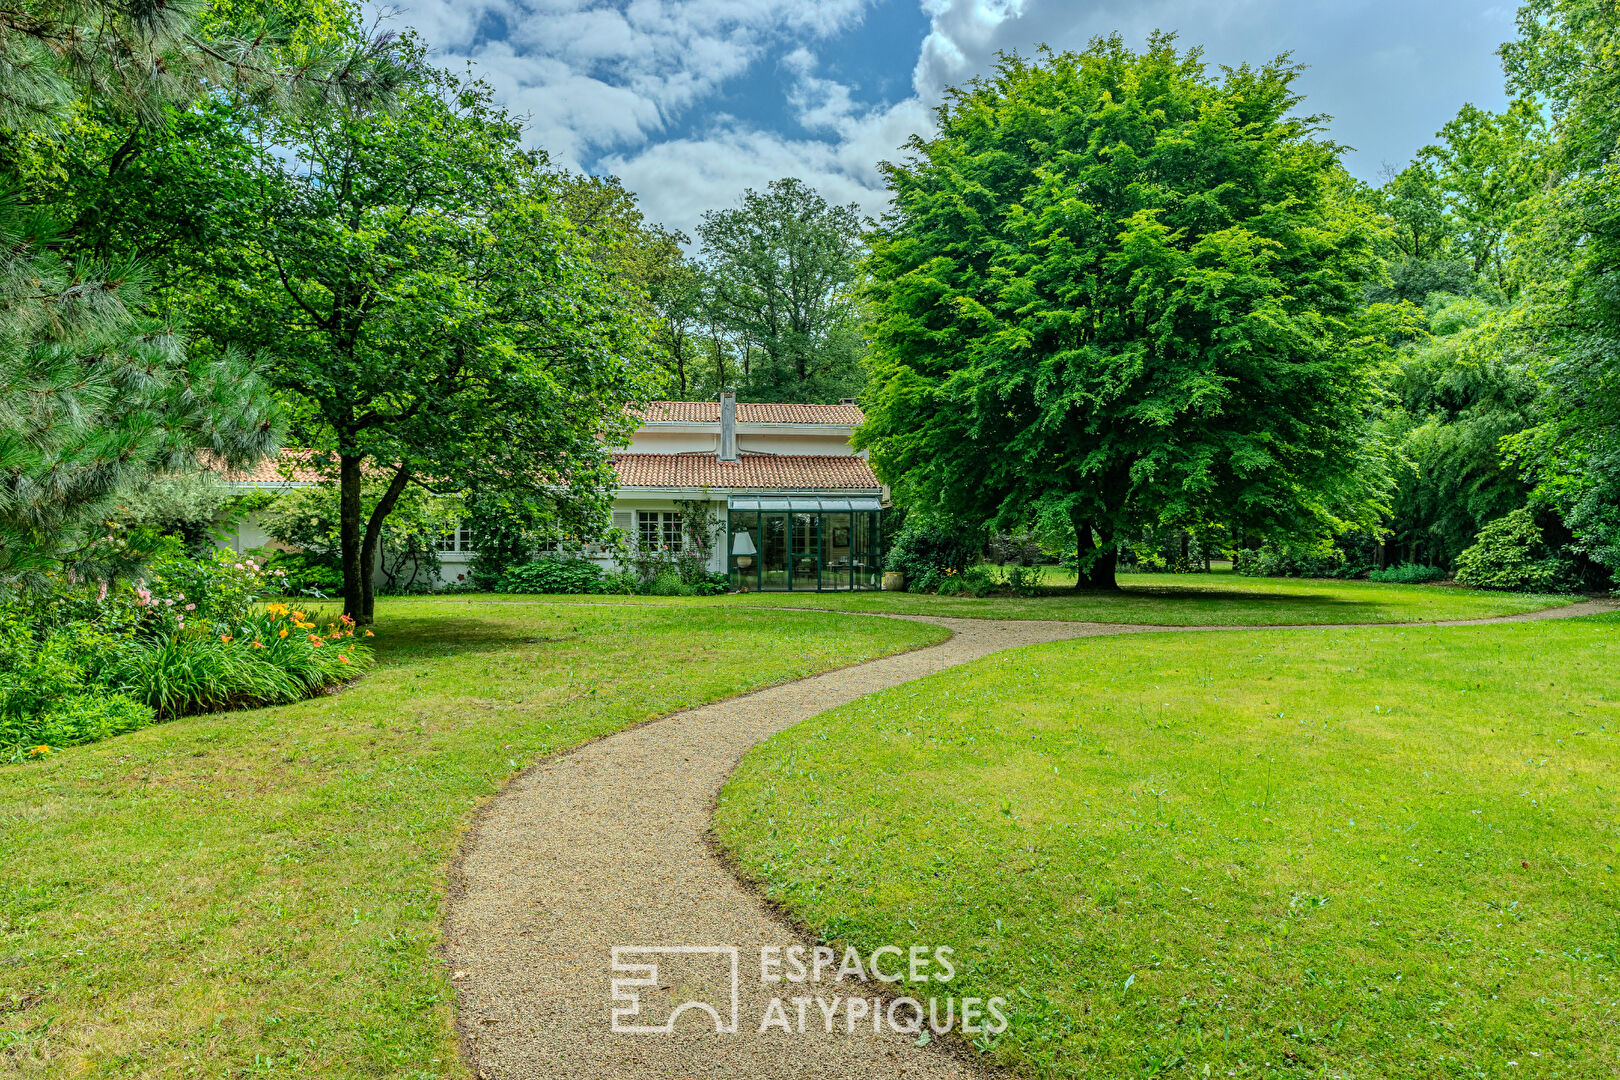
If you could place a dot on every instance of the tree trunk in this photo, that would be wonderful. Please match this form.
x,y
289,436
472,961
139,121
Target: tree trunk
x,y
1100,552
349,534
368,548
1082,547
1106,562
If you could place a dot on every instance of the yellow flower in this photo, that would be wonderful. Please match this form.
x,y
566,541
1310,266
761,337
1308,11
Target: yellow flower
x,y
283,632
39,751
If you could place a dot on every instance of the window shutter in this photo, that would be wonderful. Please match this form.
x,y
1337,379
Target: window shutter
x,y
623,519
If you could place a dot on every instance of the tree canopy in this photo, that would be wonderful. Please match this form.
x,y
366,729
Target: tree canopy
x,y
1118,289
98,389
430,315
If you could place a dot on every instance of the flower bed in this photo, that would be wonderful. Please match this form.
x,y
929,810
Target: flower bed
x,y
89,660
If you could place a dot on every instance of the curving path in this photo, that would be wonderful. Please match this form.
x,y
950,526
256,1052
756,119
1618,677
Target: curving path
x,y
608,845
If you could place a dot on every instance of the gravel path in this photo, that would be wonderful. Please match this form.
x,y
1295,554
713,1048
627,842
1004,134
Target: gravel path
x,y
608,845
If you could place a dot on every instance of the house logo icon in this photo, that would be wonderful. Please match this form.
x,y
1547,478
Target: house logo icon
x,y
635,970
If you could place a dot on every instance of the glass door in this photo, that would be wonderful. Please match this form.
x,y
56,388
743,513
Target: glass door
x,y
835,551
773,552
806,556
745,552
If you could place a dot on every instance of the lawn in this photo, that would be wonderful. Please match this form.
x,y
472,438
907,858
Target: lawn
x,y
262,891
1369,853
1170,600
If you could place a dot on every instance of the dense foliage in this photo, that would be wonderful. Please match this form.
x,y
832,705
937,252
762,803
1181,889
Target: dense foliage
x,y
306,523
929,548
89,659
435,319
99,388
1118,288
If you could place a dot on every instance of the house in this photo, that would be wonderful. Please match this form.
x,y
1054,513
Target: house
x,y
796,507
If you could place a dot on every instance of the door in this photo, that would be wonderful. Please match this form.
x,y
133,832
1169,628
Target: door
x,y
773,552
806,552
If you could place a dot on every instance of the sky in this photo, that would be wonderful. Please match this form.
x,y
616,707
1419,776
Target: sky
x,y
691,101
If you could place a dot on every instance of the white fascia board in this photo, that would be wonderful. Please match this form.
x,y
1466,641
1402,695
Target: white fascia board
x,y
755,427
267,485
722,492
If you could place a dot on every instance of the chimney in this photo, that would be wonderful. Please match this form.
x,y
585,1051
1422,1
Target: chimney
x,y
728,426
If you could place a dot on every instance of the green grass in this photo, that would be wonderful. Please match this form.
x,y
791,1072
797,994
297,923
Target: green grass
x,y
262,891
1168,600
1298,853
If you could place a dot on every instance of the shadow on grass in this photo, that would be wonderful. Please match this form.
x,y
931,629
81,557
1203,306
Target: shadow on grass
x,y
401,638
411,638
1217,596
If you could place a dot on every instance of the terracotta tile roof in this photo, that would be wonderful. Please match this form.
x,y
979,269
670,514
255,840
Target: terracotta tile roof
x,y
291,467
792,472
749,412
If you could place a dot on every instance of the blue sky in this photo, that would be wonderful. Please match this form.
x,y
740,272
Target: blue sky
x,y
690,101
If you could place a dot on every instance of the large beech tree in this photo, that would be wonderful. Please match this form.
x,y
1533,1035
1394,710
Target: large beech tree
x,y
431,317
1118,289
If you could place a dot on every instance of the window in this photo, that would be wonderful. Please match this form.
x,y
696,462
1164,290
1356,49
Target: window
x,y
658,530
457,539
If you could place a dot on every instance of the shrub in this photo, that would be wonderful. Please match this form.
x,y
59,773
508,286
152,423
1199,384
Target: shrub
x,y
1407,574
306,520
300,573
88,660
1026,580
980,580
553,575
926,547
84,718
1510,553
1284,560
621,582
50,690
666,582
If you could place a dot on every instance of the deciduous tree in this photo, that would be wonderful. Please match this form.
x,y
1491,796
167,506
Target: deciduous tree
x,y
1117,287
432,316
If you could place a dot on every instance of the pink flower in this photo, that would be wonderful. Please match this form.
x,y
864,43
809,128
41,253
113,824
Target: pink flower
x,y
191,607
237,565
168,603
101,593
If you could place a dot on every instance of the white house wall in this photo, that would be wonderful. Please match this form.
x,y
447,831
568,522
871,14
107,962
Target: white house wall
x,y
818,439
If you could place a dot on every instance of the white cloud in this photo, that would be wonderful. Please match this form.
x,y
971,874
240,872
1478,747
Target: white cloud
x,y
593,75
603,81
679,179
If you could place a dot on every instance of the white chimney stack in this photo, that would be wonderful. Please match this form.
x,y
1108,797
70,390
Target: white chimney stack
x,y
728,426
